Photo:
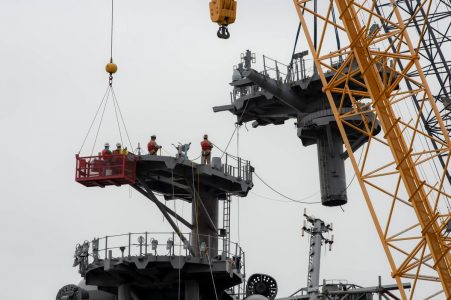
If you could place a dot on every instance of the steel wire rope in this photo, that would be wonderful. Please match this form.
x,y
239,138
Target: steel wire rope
x,y
228,154
94,119
196,158
294,47
238,202
195,208
212,277
233,133
111,30
421,139
236,126
432,164
437,175
269,198
421,124
177,222
117,121
302,200
423,128
353,177
100,123
238,225
122,118
197,225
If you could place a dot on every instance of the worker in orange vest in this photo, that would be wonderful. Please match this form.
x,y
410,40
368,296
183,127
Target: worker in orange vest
x,y
206,146
152,146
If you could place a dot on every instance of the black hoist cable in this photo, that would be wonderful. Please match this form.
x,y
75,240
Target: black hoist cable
x,y
111,33
110,68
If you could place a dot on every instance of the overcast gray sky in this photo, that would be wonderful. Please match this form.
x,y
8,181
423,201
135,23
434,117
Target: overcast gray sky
x,y
172,71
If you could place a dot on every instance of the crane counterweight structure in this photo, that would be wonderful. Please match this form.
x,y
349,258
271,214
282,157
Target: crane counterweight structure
x,y
409,204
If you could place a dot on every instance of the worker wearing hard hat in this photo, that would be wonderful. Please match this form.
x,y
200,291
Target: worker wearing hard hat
x,y
105,168
206,146
119,149
106,152
152,146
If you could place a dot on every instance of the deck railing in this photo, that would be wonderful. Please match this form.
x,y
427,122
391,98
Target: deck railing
x,y
153,244
236,167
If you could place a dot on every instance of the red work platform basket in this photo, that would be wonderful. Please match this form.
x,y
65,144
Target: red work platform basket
x,y
115,169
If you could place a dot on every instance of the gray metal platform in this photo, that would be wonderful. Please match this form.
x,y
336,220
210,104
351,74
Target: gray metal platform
x,y
173,177
157,265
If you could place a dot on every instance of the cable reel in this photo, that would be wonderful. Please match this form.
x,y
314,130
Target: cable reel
x,y
262,284
72,292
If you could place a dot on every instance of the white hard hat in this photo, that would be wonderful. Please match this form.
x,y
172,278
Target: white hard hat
x,y
107,144
118,145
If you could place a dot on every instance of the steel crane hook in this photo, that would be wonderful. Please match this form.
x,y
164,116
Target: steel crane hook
x,y
223,32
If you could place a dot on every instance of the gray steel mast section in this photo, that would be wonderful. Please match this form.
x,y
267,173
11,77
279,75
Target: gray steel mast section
x,y
316,230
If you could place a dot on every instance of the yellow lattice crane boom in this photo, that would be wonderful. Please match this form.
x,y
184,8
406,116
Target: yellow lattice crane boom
x,y
377,68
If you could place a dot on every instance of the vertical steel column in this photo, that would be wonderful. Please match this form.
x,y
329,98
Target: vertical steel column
x,y
205,223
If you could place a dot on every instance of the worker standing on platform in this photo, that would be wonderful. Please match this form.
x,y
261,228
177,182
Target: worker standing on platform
x,y
152,146
124,151
118,149
105,169
206,146
106,153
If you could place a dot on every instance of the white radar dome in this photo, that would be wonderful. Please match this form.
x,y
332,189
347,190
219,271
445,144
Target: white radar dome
x,y
236,75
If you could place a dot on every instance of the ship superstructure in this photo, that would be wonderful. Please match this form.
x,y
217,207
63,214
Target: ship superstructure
x,y
199,263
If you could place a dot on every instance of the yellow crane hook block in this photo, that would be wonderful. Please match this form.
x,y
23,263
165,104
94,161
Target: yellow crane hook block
x,y
223,12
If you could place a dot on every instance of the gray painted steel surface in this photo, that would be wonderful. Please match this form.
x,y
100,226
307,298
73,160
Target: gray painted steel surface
x,y
264,100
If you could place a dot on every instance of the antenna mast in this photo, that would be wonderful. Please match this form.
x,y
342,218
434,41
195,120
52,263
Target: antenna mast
x,y
316,230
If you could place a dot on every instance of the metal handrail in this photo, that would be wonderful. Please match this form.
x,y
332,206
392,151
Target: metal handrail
x,y
151,243
99,166
243,168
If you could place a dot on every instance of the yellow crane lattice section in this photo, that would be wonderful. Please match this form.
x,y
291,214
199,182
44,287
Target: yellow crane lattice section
x,y
406,192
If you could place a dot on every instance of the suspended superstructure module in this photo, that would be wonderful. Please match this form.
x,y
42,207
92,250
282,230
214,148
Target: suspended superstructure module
x,y
282,92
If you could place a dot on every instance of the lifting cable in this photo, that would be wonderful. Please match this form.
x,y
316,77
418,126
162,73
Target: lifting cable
x,y
180,246
237,124
93,120
302,200
295,43
122,119
100,123
111,31
111,69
